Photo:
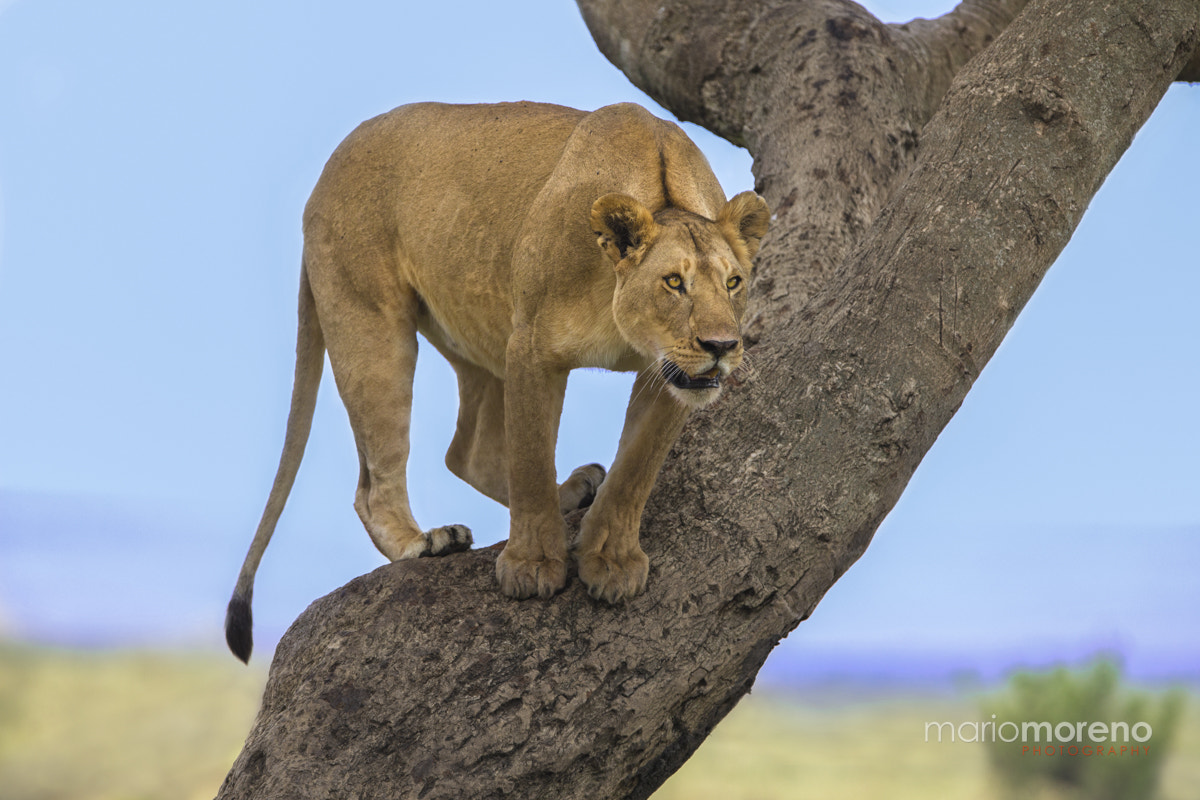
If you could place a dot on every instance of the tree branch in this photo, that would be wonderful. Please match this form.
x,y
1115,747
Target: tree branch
x,y
828,100
939,48
420,679
701,59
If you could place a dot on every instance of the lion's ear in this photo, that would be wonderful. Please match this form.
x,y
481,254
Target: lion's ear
x,y
624,227
744,219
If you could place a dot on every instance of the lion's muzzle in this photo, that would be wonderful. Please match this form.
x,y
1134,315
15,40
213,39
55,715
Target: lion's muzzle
x,y
677,377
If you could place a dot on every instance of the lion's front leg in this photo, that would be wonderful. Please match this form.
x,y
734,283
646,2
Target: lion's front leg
x,y
611,562
534,561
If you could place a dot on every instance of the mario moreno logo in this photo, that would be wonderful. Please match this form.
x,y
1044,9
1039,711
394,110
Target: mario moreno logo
x,y
1049,739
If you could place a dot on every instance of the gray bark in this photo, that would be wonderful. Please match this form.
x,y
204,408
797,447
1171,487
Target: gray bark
x,y
920,199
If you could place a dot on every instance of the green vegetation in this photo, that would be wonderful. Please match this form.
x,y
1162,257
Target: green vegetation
x,y
775,746
1109,742
150,725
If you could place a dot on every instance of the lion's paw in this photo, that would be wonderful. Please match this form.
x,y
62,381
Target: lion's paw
x,y
448,539
591,476
527,577
438,542
579,489
614,579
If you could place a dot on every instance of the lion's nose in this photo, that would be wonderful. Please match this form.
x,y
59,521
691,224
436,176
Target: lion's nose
x,y
718,347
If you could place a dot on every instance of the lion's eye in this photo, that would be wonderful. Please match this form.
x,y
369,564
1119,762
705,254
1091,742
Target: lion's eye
x,y
733,283
674,281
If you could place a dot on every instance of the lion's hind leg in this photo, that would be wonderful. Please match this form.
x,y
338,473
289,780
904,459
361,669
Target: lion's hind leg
x,y
412,541
373,352
377,394
478,452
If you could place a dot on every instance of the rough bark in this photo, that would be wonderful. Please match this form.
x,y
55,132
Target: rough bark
x,y
915,216
829,101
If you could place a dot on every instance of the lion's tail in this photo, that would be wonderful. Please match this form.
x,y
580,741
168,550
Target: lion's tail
x,y
310,360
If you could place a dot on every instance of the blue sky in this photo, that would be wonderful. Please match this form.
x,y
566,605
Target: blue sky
x,y
154,161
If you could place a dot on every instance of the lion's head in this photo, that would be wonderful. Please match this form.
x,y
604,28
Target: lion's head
x,y
681,285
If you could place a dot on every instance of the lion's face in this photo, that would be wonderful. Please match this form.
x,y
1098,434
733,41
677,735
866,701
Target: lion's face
x,y
681,286
682,305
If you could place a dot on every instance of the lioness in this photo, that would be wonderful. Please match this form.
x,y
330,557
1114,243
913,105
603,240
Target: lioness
x,y
523,241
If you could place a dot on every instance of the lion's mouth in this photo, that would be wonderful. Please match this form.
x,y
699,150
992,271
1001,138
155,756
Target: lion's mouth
x,y
681,380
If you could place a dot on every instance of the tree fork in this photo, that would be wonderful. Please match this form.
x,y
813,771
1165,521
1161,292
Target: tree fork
x,y
421,680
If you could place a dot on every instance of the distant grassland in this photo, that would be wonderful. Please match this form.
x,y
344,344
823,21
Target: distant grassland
x,y
127,725
120,725
775,746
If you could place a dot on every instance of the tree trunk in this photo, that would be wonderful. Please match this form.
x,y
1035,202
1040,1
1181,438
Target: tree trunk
x,y
917,207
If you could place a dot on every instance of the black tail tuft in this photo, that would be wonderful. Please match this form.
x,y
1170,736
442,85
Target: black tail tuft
x,y
239,623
